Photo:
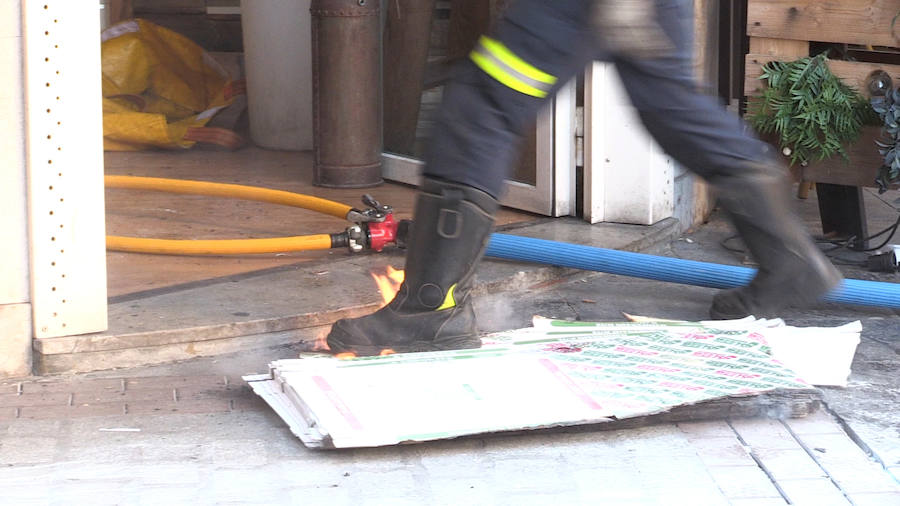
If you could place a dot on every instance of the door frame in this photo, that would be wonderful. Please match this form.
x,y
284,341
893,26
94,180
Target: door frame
x,y
553,193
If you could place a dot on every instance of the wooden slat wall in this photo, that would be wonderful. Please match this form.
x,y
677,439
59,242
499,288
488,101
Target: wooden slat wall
x,y
783,29
859,171
842,21
862,168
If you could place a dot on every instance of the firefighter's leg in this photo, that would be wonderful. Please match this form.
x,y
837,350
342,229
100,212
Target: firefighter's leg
x,y
493,96
751,183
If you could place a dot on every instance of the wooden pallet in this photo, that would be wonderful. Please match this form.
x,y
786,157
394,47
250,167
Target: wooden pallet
x,y
783,30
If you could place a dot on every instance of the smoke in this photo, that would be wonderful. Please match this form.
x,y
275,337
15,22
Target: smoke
x,y
501,312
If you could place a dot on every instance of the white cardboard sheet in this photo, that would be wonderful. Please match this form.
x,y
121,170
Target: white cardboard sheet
x,y
553,374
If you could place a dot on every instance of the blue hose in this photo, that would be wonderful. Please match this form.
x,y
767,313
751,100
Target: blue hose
x,y
674,270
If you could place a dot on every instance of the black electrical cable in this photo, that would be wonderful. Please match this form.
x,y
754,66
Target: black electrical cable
x,y
733,249
847,243
837,245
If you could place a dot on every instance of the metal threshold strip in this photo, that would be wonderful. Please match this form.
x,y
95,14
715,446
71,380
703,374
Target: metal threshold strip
x,y
551,375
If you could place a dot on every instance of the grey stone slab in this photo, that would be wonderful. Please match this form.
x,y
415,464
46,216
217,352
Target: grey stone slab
x,y
743,482
876,499
813,491
722,451
789,464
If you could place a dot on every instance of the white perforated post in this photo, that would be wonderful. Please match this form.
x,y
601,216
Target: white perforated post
x,y
65,166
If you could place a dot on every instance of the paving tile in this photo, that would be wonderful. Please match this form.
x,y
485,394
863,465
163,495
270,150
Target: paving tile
x,y
816,491
765,433
167,451
876,499
12,477
820,422
450,491
530,475
81,385
168,474
8,413
743,482
703,430
27,450
309,473
895,471
848,465
164,382
27,494
40,399
155,496
462,465
722,451
243,453
74,411
90,492
171,407
233,486
108,472
31,427
769,501
243,404
143,395
9,387
612,484
393,483
338,496
657,473
789,464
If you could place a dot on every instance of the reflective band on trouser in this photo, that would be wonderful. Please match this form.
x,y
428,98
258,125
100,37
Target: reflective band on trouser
x,y
503,65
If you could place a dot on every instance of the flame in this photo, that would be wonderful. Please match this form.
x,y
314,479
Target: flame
x,y
388,284
387,351
347,355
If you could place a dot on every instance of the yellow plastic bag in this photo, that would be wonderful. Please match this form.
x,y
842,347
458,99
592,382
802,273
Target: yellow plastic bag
x,y
160,89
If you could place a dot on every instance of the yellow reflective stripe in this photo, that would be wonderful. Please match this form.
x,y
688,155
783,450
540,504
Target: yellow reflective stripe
x,y
448,300
497,73
519,65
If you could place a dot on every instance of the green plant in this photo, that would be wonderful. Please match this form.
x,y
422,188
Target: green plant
x,y
814,114
888,108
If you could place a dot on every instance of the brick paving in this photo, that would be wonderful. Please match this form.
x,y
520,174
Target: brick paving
x,y
207,439
133,396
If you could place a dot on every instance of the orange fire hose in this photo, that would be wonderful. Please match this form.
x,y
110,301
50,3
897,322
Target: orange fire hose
x,y
224,246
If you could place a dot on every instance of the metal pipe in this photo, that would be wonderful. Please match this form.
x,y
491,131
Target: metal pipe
x,y
406,40
346,93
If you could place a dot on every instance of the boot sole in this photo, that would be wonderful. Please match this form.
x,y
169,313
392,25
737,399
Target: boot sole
x,y
807,296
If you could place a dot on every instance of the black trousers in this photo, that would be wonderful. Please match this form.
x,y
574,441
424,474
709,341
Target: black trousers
x,y
481,120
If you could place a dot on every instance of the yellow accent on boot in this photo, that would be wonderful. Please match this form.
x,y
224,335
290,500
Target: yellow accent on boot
x,y
449,301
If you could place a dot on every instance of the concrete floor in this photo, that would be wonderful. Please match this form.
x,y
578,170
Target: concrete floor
x,y
188,434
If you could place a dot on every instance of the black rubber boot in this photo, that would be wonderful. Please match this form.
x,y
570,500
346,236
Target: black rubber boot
x,y
432,309
792,270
